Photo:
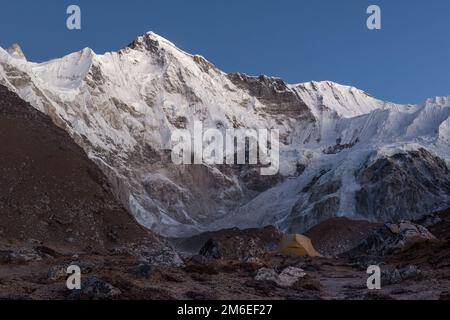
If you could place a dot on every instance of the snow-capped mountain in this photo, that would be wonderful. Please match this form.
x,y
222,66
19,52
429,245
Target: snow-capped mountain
x,y
342,152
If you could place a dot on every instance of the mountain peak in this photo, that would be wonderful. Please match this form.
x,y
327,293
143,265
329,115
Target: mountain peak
x,y
68,72
122,108
346,101
440,100
15,51
150,41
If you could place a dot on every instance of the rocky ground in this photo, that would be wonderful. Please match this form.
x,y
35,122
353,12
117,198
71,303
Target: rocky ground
x,y
57,209
414,264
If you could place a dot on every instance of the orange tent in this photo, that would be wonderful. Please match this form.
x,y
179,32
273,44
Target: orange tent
x,y
297,245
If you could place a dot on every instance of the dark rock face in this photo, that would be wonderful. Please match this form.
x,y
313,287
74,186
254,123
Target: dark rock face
x,y
404,186
146,42
438,224
394,239
274,93
321,187
254,181
50,191
339,147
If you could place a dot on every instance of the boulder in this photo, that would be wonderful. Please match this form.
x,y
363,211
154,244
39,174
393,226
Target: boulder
x,y
266,274
396,276
142,270
57,272
241,245
95,289
405,235
18,257
288,277
165,257
394,238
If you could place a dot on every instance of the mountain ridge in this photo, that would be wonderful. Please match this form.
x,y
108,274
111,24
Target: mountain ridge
x,y
121,107
140,42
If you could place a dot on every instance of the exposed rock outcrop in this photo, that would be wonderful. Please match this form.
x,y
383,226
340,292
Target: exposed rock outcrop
x,y
243,245
404,186
394,238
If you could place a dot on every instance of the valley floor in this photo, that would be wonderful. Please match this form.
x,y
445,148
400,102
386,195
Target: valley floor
x,y
38,272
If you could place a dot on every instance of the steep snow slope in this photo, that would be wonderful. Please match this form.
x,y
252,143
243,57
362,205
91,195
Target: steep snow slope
x,y
121,107
347,101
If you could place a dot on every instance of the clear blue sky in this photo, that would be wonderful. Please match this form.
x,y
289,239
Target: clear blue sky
x,y
298,40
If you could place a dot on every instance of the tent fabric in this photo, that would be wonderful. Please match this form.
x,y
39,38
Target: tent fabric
x,y
297,245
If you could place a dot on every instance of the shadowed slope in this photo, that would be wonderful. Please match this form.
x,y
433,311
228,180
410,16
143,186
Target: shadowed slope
x,y
50,191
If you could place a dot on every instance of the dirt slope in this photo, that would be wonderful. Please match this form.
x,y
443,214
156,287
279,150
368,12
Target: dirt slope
x,y
50,192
